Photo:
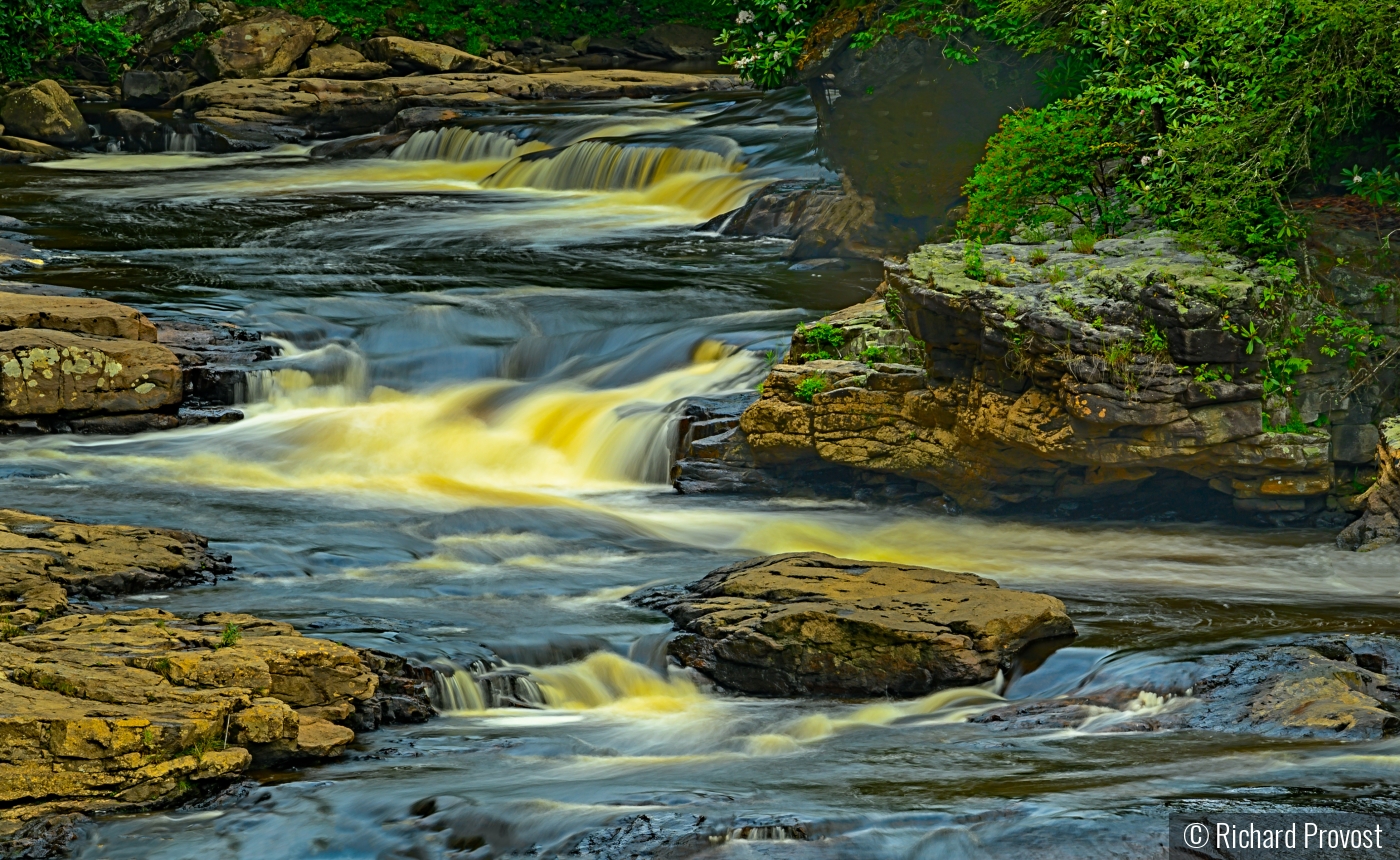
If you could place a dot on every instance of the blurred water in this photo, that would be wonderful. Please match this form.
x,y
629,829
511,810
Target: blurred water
x,y
463,450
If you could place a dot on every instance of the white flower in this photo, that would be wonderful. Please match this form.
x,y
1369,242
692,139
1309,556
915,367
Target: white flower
x,y
1186,64
1146,160
745,17
777,55
1161,152
782,8
772,36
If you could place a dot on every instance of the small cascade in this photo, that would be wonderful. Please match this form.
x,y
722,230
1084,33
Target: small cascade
x,y
180,142
477,687
596,165
462,144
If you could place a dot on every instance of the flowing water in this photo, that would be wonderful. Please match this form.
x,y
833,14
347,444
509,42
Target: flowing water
x,y
463,452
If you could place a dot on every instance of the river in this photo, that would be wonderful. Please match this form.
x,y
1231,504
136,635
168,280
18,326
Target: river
x,y
464,449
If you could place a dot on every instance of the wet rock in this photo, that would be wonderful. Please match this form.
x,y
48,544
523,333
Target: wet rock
x,y
44,112
137,131
821,222
52,372
812,624
216,360
1379,524
430,57
265,47
147,89
338,61
47,560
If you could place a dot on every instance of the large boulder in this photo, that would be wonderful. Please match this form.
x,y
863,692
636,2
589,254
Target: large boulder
x,y
44,112
811,624
680,42
338,61
265,47
55,372
144,89
426,56
1379,525
78,315
158,23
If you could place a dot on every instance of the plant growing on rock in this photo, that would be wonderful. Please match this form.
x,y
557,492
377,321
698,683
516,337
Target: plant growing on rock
x,y
229,636
973,265
1083,240
827,338
1039,257
766,39
809,387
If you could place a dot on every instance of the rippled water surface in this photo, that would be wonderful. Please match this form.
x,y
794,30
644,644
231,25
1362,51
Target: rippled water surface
x,y
465,445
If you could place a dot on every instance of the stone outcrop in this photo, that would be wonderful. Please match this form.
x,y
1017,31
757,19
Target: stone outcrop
x,y
338,61
162,23
53,372
1379,525
680,42
44,112
430,57
147,89
812,624
1059,376
48,560
252,114
265,47
820,222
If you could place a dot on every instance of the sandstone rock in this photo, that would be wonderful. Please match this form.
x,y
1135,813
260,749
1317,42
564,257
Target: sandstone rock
x,y
52,372
46,560
99,714
158,23
44,112
76,315
808,623
338,61
427,56
38,151
265,47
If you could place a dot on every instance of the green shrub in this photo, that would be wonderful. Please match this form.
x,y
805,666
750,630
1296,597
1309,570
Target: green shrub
x,y
766,38
36,32
827,338
809,388
230,636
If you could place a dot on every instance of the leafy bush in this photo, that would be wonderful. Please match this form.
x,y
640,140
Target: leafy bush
x,y
35,32
809,388
766,39
481,24
827,338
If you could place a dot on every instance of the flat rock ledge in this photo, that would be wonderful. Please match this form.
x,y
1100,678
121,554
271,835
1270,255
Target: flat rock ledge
x,y
811,624
140,709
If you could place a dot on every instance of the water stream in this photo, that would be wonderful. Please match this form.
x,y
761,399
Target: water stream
x,y
463,450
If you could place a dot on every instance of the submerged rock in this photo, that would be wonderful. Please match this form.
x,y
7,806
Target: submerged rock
x,y
812,624
46,113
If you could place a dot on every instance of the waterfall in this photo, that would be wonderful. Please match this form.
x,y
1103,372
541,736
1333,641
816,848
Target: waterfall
x,y
461,144
180,142
476,687
596,165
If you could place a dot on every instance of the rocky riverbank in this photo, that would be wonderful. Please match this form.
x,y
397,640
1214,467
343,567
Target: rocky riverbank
x,y
1044,374
107,712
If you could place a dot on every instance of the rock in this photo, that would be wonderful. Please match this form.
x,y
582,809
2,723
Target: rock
x,y
811,624
144,89
822,222
338,61
216,359
158,23
1355,443
427,56
1007,396
44,112
1379,525
34,149
235,115
265,47
137,132
52,372
679,42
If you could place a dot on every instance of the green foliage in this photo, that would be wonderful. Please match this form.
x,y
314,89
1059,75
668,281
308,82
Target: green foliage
x,y
230,636
766,39
148,739
9,630
1083,240
1154,341
810,387
1055,275
1044,165
1216,106
973,266
1038,257
1293,425
481,24
875,354
1377,186
827,338
36,32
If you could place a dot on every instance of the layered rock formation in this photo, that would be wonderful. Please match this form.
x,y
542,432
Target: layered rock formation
x,y
812,624
1056,375
139,708
250,114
